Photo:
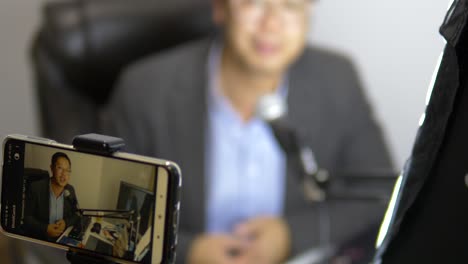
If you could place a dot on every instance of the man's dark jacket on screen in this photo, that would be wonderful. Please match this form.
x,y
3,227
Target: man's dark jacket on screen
x,y
37,205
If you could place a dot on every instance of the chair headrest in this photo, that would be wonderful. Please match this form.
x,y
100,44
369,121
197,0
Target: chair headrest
x,y
33,174
92,40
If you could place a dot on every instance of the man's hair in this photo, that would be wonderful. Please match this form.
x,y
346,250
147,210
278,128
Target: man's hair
x,y
58,155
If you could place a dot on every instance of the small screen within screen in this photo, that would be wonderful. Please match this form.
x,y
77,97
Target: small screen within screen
x,y
81,200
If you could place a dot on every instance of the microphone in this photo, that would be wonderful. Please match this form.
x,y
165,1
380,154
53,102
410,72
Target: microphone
x,y
66,193
74,202
272,108
317,182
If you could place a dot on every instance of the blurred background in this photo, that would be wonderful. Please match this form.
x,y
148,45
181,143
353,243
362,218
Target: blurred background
x,y
394,44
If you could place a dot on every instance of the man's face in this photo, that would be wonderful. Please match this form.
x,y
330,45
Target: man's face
x,y
61,172
265,36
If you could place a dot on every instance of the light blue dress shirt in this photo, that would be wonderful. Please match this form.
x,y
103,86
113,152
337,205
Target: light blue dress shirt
x,y
55,206
245,164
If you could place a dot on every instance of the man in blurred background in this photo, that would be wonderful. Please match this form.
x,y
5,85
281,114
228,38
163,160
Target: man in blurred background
x,y
242,200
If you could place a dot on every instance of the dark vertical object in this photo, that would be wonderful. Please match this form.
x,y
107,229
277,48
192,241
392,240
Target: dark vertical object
x,y
430,222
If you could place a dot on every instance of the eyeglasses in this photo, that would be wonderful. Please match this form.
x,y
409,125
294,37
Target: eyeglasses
x,y
290,11
65,171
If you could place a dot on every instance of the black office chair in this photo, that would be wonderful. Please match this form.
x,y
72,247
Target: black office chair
x,y
32,174
83,45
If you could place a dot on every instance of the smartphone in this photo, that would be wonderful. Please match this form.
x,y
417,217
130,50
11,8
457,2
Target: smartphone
x,y
121,207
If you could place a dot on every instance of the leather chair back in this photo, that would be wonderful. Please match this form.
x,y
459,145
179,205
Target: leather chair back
x,y
83,45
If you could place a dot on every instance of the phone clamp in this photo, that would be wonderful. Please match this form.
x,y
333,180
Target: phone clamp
x,y
100,144
96,143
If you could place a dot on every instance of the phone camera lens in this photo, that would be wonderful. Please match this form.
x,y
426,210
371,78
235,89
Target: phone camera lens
x,y
17,156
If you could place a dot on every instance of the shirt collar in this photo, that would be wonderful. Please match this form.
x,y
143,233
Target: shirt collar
x,y
217,102
52,191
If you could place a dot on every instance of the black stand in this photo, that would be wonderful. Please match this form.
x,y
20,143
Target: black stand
x,y
93,143
83,258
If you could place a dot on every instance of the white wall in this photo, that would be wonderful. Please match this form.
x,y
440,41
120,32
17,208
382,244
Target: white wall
x,y
395,45
18,20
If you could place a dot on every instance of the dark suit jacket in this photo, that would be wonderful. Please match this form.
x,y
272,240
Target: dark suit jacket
x,y
160,110
37,204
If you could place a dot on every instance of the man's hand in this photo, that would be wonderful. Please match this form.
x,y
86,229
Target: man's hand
x,y
61,225
268,238
53,230
216,249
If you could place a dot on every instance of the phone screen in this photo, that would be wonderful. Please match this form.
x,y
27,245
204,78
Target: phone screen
x,y
110,206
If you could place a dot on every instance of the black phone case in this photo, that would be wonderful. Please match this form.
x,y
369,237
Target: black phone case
x,y
172,215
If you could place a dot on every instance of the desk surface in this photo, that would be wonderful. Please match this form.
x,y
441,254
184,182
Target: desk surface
x,y
109,233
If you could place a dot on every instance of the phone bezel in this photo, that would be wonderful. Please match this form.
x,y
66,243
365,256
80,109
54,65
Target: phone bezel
x,y
169,235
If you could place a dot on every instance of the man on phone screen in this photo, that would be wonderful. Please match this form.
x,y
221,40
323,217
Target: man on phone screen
x,y
51,204
242,200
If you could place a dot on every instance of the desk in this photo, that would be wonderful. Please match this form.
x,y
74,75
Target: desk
x,y
64,239
104,241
